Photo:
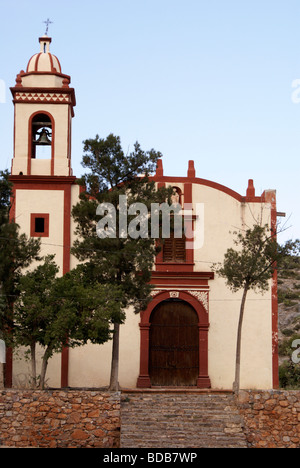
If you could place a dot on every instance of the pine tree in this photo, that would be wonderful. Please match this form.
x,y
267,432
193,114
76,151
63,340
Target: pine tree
x,y
17,252
114,257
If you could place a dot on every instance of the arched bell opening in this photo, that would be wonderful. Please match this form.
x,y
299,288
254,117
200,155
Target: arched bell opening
x,y
41,136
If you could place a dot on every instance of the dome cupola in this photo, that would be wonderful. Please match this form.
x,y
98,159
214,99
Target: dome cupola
x,y
44,61
43,69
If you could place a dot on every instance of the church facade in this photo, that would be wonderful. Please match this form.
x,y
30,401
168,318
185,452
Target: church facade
x,y
187,335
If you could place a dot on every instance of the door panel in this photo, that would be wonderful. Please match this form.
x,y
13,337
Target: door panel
x,y
174,345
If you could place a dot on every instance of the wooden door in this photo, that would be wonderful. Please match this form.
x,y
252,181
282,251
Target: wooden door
x,y
174,345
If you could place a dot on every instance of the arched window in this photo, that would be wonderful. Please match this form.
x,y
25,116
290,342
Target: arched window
x,y
41,133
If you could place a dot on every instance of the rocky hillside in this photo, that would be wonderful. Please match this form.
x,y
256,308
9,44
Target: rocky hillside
x,y
289,303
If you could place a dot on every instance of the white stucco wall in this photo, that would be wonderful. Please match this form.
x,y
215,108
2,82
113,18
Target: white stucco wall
x,y
89,366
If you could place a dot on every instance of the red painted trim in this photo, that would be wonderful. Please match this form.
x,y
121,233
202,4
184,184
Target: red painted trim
x,y
45,39
61,75
69,78
144,380
67,228
275,352
188,192
191,170
8,373
29,147
269,196
43,89
35,180
64,381
250,193
207,183
23,73
30,99
183,295
188,199
37,61
51,63
33,233
159,168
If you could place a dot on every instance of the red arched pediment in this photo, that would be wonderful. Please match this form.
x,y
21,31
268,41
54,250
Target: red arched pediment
x,y
182,295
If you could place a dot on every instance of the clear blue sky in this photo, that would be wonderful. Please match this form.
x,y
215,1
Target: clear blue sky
x,y
204,80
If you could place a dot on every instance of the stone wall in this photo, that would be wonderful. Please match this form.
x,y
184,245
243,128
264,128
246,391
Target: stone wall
x,y
272,419
57,418
91,418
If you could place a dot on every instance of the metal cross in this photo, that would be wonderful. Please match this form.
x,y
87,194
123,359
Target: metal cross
x,y
47,23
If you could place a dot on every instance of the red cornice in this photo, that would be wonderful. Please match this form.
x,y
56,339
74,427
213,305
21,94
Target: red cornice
x,y
56,73
45,39
181,278
36,179
37,89
187,274
63,90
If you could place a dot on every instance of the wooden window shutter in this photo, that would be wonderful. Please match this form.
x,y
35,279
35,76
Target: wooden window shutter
x,y
174,249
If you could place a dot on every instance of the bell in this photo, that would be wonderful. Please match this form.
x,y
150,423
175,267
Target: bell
x,y
43,137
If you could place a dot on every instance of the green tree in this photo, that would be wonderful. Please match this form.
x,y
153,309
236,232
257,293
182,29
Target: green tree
x,y
251,266
113,257
52,310
17,252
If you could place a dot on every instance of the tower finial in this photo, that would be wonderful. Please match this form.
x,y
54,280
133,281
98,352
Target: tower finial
x,y
47,22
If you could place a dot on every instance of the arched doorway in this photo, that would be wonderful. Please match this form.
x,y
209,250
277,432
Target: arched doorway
x,y
174,344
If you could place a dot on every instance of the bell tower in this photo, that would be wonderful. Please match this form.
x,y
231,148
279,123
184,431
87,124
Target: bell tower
x,y
44,188
44,108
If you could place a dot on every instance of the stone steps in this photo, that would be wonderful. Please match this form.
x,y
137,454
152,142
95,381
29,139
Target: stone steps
x,y
180,420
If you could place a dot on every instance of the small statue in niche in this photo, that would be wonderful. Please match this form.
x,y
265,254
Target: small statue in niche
x,y
175,197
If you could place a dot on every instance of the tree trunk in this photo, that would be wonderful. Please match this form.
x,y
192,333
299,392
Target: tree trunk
x,y
1,375
43,371
236,383
33,364
114,374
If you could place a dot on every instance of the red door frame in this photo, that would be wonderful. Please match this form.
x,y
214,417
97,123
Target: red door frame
x,y
203,380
